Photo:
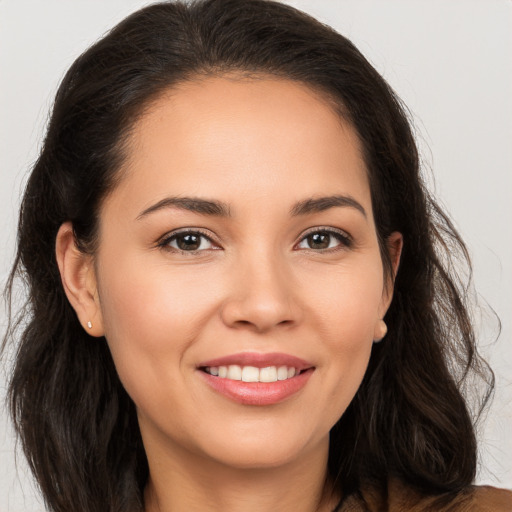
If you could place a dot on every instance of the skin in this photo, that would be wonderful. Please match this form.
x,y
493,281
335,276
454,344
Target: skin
x,y
258,284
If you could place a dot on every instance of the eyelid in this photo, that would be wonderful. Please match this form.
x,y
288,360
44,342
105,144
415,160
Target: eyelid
x,y
164,240
342,236
345,239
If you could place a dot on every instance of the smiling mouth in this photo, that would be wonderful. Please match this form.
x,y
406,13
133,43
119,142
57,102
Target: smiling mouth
x,y
257,379
252,373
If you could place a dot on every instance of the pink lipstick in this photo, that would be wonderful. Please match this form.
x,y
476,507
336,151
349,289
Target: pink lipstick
x,y
251,378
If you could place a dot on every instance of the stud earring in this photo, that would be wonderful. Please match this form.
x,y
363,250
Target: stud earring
x,y
380,331
89,324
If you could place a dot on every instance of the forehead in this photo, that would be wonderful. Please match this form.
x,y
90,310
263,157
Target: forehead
x,y
236,136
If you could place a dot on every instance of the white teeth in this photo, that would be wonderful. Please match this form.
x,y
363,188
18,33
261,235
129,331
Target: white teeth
x,y
234,372
268,374
252,373
282,373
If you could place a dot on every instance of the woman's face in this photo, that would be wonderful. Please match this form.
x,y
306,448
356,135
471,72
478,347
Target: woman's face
x,y
240,243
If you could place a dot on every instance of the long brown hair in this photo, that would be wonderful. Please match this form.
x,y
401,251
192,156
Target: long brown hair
x,y
77,424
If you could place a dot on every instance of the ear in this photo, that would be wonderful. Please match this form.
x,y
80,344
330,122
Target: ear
x,y
79,280
395,243
394,246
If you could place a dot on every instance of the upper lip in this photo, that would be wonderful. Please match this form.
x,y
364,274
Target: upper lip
x,y
259,360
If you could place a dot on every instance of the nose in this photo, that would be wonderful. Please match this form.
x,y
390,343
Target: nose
x,y
262,295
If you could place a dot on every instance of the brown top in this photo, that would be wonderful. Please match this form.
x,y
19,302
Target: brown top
x,y
398,498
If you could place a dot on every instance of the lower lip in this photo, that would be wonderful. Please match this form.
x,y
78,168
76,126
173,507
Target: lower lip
x,y
258,393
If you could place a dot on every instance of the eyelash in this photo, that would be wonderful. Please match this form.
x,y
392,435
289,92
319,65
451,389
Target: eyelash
x,y
164,243
345,240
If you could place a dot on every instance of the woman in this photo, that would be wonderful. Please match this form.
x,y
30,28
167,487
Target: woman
x,y
228,199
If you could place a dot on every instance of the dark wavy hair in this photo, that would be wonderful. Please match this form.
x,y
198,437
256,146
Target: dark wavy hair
x,y
409,419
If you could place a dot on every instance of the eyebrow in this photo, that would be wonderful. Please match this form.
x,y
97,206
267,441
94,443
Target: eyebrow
x,y
320,204
192,204
220,209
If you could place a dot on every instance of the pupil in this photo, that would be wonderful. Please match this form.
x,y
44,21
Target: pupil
x,y
320,240
190,242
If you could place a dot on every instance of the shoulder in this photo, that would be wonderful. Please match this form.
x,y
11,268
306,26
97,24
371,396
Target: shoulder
x,y
471,499
397,497
486,498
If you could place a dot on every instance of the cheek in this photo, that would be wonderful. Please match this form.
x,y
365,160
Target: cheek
x,y
347,311
347,302
150,317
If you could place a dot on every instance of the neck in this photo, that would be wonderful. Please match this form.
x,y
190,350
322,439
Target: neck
x,y
185,482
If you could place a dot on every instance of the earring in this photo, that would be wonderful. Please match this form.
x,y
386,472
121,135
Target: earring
x,y
380,331
89,324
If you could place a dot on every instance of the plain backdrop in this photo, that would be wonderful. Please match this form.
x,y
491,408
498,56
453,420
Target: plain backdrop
x,y
451,63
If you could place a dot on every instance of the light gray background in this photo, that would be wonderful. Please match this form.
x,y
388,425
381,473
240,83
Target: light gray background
x,y
450,61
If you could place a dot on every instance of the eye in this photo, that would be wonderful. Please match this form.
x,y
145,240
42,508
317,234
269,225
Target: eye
x,y
187,241
325,239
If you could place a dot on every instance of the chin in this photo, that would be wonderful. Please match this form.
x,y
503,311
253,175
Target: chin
x,y
262,451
